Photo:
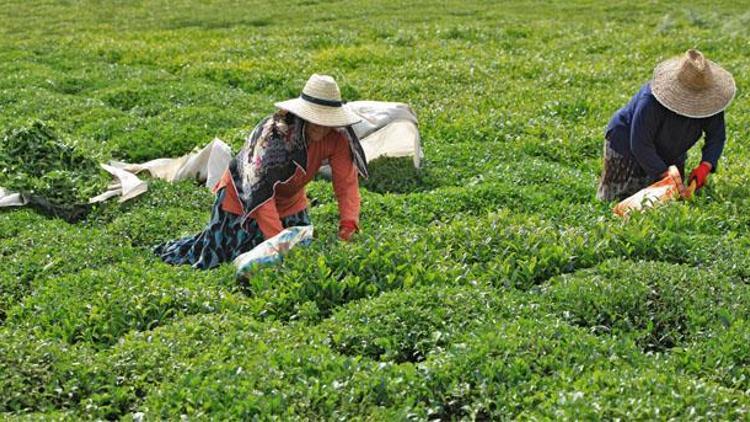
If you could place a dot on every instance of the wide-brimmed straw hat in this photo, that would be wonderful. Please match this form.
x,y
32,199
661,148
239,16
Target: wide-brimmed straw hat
x,y
692,85
320,103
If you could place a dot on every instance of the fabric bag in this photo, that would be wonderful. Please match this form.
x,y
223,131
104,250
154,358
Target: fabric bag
x,y
272,250
665,190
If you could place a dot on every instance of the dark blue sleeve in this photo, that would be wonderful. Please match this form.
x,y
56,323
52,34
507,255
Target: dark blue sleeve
x,y
643,128
716,136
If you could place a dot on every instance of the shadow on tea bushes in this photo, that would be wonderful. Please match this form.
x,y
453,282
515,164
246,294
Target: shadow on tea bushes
x,y
395,175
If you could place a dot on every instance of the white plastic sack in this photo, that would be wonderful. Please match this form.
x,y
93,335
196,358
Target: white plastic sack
x,y
387,130
398,139
661,192
207,164
11,199
126,185
273,249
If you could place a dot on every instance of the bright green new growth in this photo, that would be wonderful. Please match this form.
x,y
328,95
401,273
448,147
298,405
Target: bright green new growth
x,y
489,285
34,160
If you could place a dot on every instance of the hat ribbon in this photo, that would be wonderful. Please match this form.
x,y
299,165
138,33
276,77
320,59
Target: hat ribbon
x,y
321,101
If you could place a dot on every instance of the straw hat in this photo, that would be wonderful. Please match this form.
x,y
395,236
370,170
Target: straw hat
x,y
692,85
320,103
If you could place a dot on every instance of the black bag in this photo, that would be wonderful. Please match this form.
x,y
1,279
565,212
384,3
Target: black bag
x,y
72,213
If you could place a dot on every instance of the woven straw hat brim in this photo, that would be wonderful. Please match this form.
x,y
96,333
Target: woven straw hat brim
x,y
689,102
319,114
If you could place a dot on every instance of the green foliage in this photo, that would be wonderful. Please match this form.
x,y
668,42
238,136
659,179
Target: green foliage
x,y
490,284
40,374
723,357
407,325
100,306
344,272
488,373
34,160
285,372
144,360
503,368
643,394
662,305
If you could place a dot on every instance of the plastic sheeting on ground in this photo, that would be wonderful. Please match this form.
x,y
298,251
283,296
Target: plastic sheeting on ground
x,y
206,165
387,130
11,199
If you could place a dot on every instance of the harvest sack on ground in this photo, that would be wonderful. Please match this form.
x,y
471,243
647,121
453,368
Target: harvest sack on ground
x,y
387,130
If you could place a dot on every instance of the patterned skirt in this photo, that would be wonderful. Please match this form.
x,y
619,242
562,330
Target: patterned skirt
x,y
222,240
621,177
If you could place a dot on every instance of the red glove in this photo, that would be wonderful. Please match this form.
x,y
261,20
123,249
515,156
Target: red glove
x,y
700,174
347,228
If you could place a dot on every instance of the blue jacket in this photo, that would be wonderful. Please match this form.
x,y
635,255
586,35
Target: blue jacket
x,y
658,137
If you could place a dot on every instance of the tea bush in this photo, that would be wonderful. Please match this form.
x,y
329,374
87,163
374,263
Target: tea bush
x,y
642,394
662,305
405,326
276,371
39,249
486,374
343,273
40,374
723,357
135,367
99,306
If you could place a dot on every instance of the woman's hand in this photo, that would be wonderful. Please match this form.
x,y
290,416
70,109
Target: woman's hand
x,y
700,174
347,228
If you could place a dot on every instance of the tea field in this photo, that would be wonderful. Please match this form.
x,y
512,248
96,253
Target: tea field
x,y
489,285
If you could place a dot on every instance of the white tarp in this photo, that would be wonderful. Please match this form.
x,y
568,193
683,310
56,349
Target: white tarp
x,y
387,130
206,165
11,199
126,185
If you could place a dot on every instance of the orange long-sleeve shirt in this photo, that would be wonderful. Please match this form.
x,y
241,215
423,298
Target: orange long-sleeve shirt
x,y
290,196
